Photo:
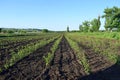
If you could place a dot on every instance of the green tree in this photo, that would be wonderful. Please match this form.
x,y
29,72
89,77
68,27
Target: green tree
x,y
95,24
45,30
86,26
67,28
115,22
10,31
80,27
112,18
0,30
99,23
4,31
22,31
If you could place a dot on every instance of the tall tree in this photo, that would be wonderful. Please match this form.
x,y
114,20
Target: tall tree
x,y
86,26
95,24
116,21
112,18
99,22
0,30
80,27
67,28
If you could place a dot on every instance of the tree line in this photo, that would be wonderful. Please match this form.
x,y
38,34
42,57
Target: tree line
x,y
90,26
12,30
112,21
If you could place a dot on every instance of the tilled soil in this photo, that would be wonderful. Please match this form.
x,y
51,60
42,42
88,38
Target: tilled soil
x,y
29,67
5,53
96,61
111,73
101,68
64,65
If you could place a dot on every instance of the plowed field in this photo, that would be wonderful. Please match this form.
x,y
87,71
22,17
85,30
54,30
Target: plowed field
x,y
64,66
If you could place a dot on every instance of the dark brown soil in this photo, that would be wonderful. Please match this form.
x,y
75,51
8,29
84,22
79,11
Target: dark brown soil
x,y
29,67
111,73
64,65
96,61
101,68
5,53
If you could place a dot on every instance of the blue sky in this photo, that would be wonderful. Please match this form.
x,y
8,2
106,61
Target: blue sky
x,y
51,14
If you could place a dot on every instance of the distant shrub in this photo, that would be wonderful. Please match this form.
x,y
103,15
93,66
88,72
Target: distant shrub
x,y
10,31
22,31
4,31
0,30
45,30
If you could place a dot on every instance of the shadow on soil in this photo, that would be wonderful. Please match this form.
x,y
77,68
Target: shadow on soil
x,y
111,73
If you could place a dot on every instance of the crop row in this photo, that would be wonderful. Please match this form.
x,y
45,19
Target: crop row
x,y
50,55
80,54
25,50
106,47
108,35
84,45
12,40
